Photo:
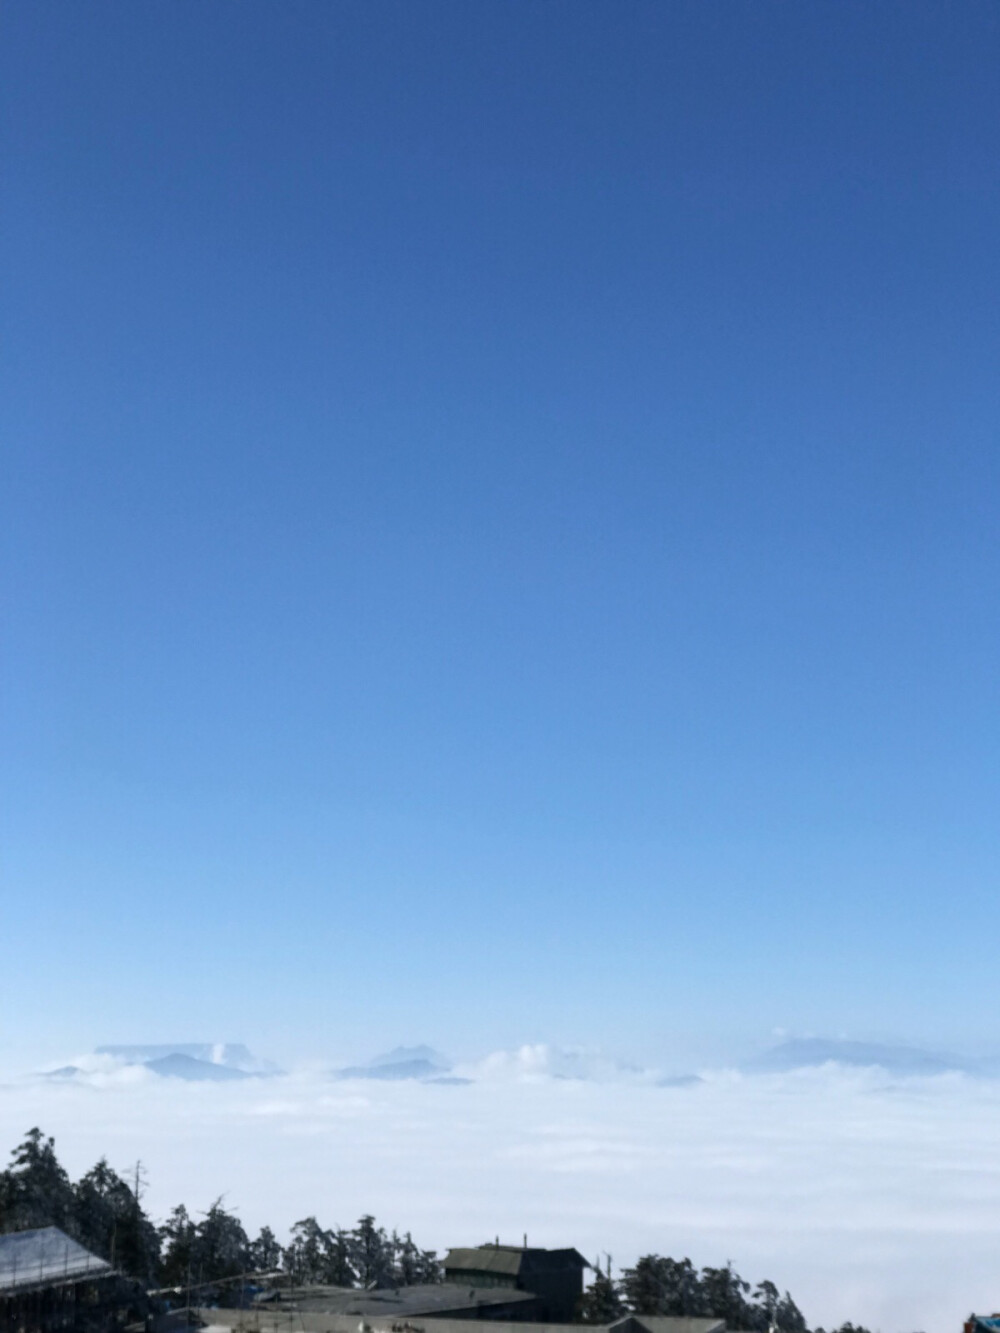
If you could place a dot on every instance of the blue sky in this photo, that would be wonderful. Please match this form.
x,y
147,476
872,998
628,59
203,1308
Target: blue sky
x,y
499,521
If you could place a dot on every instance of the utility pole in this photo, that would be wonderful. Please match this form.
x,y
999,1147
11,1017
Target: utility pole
x,y
138,1249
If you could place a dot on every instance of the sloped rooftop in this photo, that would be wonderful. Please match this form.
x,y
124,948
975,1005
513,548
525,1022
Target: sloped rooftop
x,y
403,1302
308,1321
657,1323
45,1257
512,1260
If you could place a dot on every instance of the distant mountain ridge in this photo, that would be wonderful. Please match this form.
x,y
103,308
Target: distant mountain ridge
x,y
195,1062
223,1062
234,1055
810,1052
405,1062
406,1054
179,1065
403,1069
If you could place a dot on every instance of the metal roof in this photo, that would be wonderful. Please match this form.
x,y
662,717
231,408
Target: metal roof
x,y
276,1321
45,1257
487,1259
668,1323
400,1302
514,1261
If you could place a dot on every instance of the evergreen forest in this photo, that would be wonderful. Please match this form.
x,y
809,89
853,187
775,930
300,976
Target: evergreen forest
x,y
103,1211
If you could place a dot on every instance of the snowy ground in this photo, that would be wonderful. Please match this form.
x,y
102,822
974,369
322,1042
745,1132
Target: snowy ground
x,y
869,1199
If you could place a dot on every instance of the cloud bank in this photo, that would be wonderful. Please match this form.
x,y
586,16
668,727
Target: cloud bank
x,y
870,1198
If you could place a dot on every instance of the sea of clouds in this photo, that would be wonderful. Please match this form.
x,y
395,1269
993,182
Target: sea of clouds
x,y
870,1198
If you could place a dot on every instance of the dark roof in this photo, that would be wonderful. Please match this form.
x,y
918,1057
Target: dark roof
x,y
513,1260
659,1323
401,1302
308,1321
45,1258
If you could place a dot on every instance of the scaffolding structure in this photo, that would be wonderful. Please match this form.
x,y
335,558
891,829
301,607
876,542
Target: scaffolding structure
x,y
49,1283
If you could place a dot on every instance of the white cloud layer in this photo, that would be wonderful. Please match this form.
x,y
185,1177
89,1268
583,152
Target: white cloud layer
x,y
869,1199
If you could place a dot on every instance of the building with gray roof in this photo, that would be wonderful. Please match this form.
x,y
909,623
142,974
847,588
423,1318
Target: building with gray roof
x,y
45,1257
438,1300
554,1277
48,1281
277,1321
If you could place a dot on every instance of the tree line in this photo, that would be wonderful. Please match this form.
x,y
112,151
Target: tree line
x,y
103,1211
657,1285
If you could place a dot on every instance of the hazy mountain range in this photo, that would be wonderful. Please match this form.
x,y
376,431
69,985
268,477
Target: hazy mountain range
x,y
406,1062
195,1062
230,1062
233,1055
908,1061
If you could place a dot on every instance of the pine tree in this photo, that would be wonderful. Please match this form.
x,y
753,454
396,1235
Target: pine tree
x,y
108,1219
35,1190
265,1252
789,1318
221,1247
662,1286
305,1255
370,1254
178,1237
601,1302
337,1259
723,1294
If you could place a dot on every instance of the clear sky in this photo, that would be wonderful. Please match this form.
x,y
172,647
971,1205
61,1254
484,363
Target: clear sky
x,y
499,521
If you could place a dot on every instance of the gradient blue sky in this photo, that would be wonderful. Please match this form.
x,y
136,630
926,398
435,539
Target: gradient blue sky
x,y
499,521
